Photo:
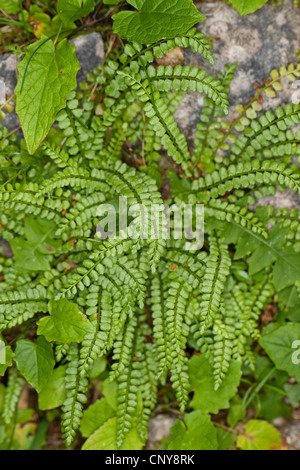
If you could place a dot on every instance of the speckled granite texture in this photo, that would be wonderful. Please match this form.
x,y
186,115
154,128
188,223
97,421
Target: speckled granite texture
x,y
258,43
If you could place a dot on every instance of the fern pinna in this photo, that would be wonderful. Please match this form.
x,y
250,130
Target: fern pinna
x,y
145,300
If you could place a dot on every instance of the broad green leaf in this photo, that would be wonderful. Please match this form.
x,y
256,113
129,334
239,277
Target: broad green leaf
x,y
244,7
206,398
287,269
109,390
196,432
52,394
105,438
155,19
293,393
111,2
99,366
65,324
259,435
28,257
44,25
41,231
72,10
290,298
265,252
226,439
35,361
236,411
24,415
178,186
263,366
95,416
33,253
10,6
47,75
271,404
283,347
6,357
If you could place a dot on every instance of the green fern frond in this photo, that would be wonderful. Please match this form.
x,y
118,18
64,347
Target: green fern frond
x,y
12,394
76,387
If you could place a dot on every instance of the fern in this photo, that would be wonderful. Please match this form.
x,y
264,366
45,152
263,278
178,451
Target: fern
x,y
146,299
12,395
76,386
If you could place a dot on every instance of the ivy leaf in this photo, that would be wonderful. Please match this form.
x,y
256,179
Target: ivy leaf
x,y
196,432
32,253
293,393
28,257
47,74
206,398
105,438
66,324
95,416
259,435
40,231
244,7
71,10
52,394
35,361
156,19
6,357
283,345
109,390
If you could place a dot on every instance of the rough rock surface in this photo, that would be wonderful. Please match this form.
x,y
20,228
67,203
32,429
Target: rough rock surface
x,y
5,248
255,43
290,431
258,43
8,81
89,52
159,428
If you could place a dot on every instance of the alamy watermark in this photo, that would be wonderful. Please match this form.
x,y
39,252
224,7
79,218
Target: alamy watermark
x,y
152,222
296,354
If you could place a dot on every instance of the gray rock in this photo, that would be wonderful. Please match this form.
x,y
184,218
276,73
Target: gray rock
x,y
258,43
5,248
290,431
285,200
159,428
89,52
8,81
